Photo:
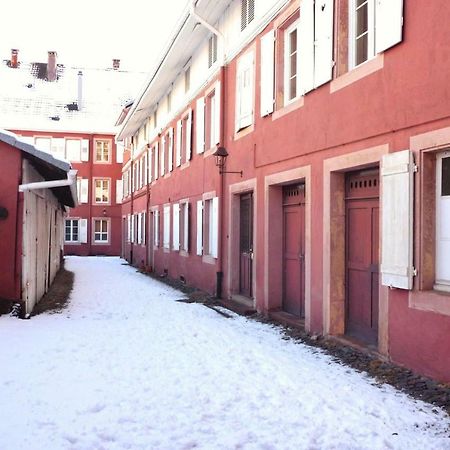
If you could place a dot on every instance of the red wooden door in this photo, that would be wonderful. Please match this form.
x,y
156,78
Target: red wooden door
x,y
246,245
294,250
362,259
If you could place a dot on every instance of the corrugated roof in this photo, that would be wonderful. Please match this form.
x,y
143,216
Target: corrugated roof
x,y
30,102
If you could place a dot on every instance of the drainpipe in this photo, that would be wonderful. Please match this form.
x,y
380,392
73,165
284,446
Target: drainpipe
x,y
207,25
219,273
70,181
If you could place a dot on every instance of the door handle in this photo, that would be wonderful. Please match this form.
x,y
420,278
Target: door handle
x,y
301,256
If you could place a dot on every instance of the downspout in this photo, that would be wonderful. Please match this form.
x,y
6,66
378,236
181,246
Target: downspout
x,y
219,273
147,213
71,180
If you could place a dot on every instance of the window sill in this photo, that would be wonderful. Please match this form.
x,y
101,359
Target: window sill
x,y
184,253
292,106
100,243
208,259
436,301
185,165
363,70
244,132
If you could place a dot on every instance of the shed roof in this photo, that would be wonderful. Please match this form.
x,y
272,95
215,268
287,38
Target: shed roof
x,y
48,167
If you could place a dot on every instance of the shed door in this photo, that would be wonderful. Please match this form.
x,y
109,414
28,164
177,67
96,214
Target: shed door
x,y
362,256
294,250
246,245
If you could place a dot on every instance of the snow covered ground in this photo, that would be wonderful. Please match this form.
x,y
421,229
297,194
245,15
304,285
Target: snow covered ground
x,y
128,367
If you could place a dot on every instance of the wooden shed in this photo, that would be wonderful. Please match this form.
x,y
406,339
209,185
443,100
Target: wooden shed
x,y
35,191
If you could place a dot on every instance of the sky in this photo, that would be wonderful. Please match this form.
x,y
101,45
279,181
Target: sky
x,y
89,33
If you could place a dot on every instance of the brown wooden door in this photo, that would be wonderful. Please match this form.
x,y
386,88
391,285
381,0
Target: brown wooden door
x,y
362,259
294,250
246,245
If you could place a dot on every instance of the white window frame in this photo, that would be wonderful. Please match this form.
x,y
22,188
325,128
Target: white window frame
x,y
102,188
287,59
166,227
108,144
184,226
370,32
102,233
441,283
72,221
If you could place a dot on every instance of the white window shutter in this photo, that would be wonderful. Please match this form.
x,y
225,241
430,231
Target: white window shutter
x,y
119,152
389,23
144,228
178,146
156,227
200,125
166,234
186,226
84,188
323,42
170,156
217,92
397,172
132,229
214,227
267,73
305,43
129,228
150,165
244,107
83,230
119,191
139,228
156,160
85,150
199,227
176,227
163,155
189,136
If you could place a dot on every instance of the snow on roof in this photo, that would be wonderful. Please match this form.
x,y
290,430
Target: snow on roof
x,y
15,141
29,102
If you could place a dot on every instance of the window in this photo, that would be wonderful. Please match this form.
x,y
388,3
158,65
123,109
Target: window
x,y
102,151
184,141
101,231
166,230
184,226
73,150
187,79
43,144
291,61
374,27
101,191
244,97
247,12
212,118
82,189
71,230
156,228
443,220
363,30
212,50
58,148
208,227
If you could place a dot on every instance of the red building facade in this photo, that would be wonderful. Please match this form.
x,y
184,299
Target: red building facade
x,y
71,113
340,221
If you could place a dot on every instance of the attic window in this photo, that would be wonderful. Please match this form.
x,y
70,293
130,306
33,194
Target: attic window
x,y
247,12
212,50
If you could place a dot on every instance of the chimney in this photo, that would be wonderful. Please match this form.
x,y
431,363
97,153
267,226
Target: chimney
x,y
80,90
51,66
14,58
116,64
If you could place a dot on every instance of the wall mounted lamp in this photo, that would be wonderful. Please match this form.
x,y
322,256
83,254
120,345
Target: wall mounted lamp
x,y
220,156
